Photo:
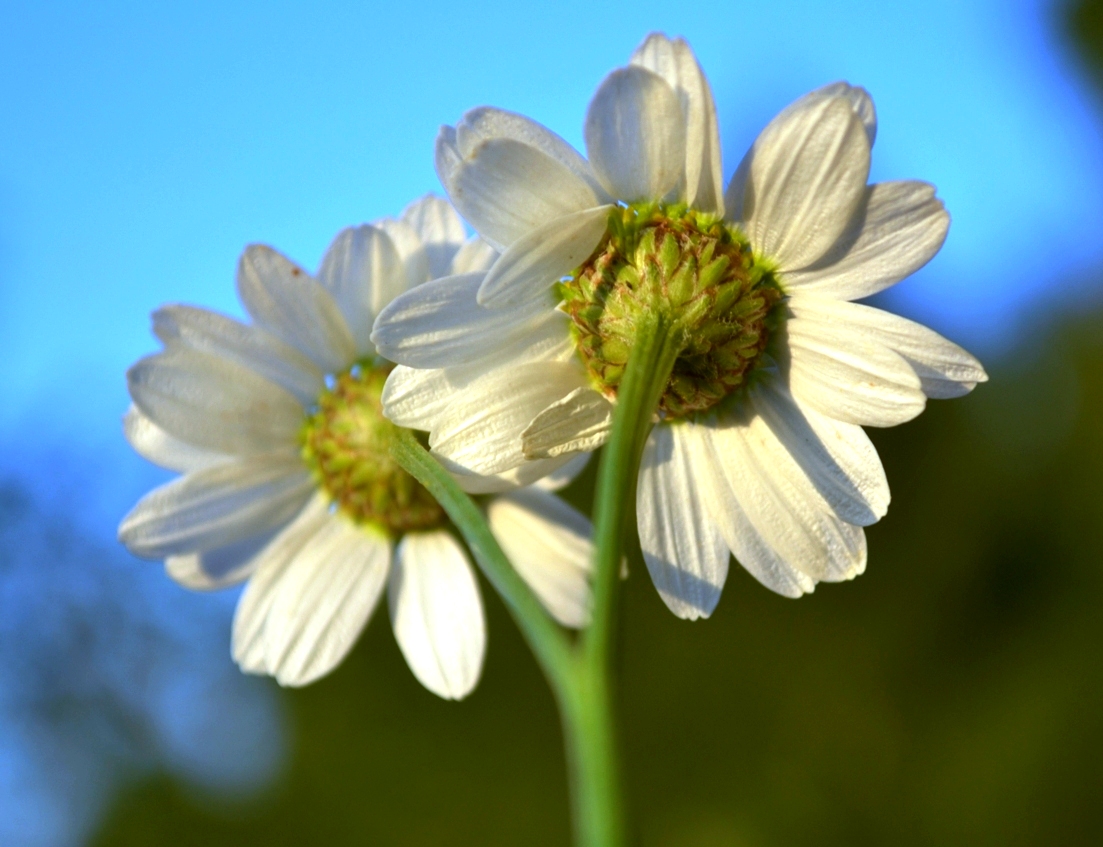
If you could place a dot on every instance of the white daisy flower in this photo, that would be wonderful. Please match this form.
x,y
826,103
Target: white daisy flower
x,y
758,449
287,477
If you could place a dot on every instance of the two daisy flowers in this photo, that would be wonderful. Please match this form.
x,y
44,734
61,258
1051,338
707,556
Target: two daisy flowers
x,y
509,350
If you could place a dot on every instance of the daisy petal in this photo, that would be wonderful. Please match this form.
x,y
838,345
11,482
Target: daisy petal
x,y
481,431
323,599
682,546
441,323
437,613
788,518
750,549
836,459
529,473
548,543
155,445
530,267
564,476
944,369
475,255
636,135
364,272
440,230
900,227
283,299
213,404
411,250
846,376
216,506
485,123
674,61
219,568
248,346
803,181
247,643
506,188
579,422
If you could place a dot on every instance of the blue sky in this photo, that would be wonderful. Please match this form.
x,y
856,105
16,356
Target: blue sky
x,y
143,145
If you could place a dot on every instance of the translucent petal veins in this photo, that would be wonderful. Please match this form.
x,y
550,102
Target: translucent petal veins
x,y
698,270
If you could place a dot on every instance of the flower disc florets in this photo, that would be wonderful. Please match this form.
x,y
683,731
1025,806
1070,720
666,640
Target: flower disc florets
x,y
346,442
697,271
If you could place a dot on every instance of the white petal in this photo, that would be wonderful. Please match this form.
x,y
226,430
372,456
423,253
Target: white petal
x,y
216,506
836,459
857,97
439,228
221,567
787,517
539,472
323,599
411,250
944,369
848,376
803,181
248,645
565,475
155,445
506,188
532,264
285,300
475,255
248,346
898,229
682,546
485,123
481,432
441,323
636,135
437,613
416,397
548,543
364,272
214,404
674,61
753,551
578,422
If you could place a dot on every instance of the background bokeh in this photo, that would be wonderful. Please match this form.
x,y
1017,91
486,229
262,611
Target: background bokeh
x,y
951,695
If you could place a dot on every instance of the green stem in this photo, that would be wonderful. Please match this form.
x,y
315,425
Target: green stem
x,y
597,798
547,641
578,677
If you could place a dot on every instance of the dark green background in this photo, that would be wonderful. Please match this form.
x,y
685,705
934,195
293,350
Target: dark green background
x,y
951,695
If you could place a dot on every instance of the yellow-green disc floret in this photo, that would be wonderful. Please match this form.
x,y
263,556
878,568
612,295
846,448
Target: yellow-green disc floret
x,y
346,442
718,296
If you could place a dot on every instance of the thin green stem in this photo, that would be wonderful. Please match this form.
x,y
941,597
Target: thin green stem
x,y
579,677
597,799
547,641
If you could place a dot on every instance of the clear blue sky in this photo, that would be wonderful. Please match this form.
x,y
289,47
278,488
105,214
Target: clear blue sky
x,y
143,145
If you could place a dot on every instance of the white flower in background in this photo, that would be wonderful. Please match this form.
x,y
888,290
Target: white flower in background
x,y
287,477
758,448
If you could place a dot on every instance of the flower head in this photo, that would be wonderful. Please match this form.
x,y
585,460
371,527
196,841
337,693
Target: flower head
x,y
758,449
287,476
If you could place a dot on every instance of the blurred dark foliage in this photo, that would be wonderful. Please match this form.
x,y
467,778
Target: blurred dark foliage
x,y
952,695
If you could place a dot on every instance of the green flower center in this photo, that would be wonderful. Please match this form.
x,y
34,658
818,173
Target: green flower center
x,y
346,443
717,294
